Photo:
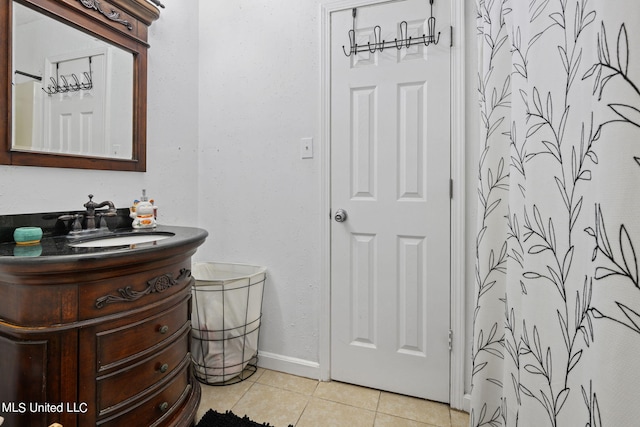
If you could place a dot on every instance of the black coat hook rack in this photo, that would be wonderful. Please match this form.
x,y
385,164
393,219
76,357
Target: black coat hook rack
x,y
403,42
61,85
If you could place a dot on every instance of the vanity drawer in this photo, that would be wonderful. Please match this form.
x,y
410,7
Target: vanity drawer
x,y
151,410
135,340
132,291
118,387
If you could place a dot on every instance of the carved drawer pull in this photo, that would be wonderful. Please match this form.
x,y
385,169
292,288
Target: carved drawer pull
x,y
163,329
164,368
163,406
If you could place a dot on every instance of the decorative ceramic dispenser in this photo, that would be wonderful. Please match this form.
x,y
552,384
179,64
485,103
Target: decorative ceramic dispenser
x,y
143,212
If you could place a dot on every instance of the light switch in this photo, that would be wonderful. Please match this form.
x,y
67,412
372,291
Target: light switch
x,y
306,148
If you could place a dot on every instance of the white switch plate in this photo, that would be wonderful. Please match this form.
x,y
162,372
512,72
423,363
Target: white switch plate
x,y
306,148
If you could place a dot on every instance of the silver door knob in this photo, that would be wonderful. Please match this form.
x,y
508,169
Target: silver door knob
x,y
341,215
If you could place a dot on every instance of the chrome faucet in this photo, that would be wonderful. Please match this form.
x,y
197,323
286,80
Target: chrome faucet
x,y
90,217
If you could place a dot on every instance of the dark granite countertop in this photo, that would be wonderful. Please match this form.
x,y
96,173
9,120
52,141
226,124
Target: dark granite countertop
x,y
56,246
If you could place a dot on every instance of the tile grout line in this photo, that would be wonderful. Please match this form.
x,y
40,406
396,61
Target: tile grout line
x,y
309,397
377,408
302,412
242,395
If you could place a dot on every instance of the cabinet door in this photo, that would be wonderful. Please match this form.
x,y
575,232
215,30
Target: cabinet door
x,y
35,371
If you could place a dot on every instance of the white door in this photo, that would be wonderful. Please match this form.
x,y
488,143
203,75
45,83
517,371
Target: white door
x,y
75,120
390,143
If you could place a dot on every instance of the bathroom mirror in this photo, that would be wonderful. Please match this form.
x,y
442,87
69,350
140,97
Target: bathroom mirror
x,y
76,92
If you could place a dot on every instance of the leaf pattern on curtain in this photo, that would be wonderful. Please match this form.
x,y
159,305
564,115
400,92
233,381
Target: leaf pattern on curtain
x,y
557,313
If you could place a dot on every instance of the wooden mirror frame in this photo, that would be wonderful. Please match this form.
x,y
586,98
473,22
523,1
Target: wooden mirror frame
x,y
123,23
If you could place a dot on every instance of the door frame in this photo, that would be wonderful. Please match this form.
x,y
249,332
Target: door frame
x,y
457,397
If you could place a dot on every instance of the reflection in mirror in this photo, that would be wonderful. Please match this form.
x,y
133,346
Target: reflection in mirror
x,y
72,92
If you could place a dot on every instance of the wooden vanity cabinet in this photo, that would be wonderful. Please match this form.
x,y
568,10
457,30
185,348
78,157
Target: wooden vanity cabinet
x,y
105,340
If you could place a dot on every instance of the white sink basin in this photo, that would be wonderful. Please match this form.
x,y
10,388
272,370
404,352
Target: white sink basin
x,y
130,239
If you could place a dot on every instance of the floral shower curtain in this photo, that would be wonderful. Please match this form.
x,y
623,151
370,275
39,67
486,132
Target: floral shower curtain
x,y
557,317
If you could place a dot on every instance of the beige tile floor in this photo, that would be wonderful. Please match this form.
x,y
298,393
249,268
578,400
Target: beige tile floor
x,y
282,399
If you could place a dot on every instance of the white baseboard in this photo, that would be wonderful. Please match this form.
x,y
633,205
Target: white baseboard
x,y
467,403
289,365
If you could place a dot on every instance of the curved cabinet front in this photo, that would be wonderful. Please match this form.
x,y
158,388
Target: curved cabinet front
x,y
100,341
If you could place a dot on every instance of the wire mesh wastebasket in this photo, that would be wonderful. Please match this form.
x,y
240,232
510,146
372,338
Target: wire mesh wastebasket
x,y
225,321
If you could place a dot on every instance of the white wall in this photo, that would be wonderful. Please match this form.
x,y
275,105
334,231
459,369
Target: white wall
x,y
172,138
259,86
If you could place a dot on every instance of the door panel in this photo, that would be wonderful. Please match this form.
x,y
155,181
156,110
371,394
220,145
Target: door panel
x,y
390,171
75,121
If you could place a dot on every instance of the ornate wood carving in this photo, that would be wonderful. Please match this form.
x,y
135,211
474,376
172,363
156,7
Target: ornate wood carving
x,y
113,15
156,285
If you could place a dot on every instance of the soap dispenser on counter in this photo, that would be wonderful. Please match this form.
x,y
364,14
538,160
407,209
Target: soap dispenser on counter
x,y
143,212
